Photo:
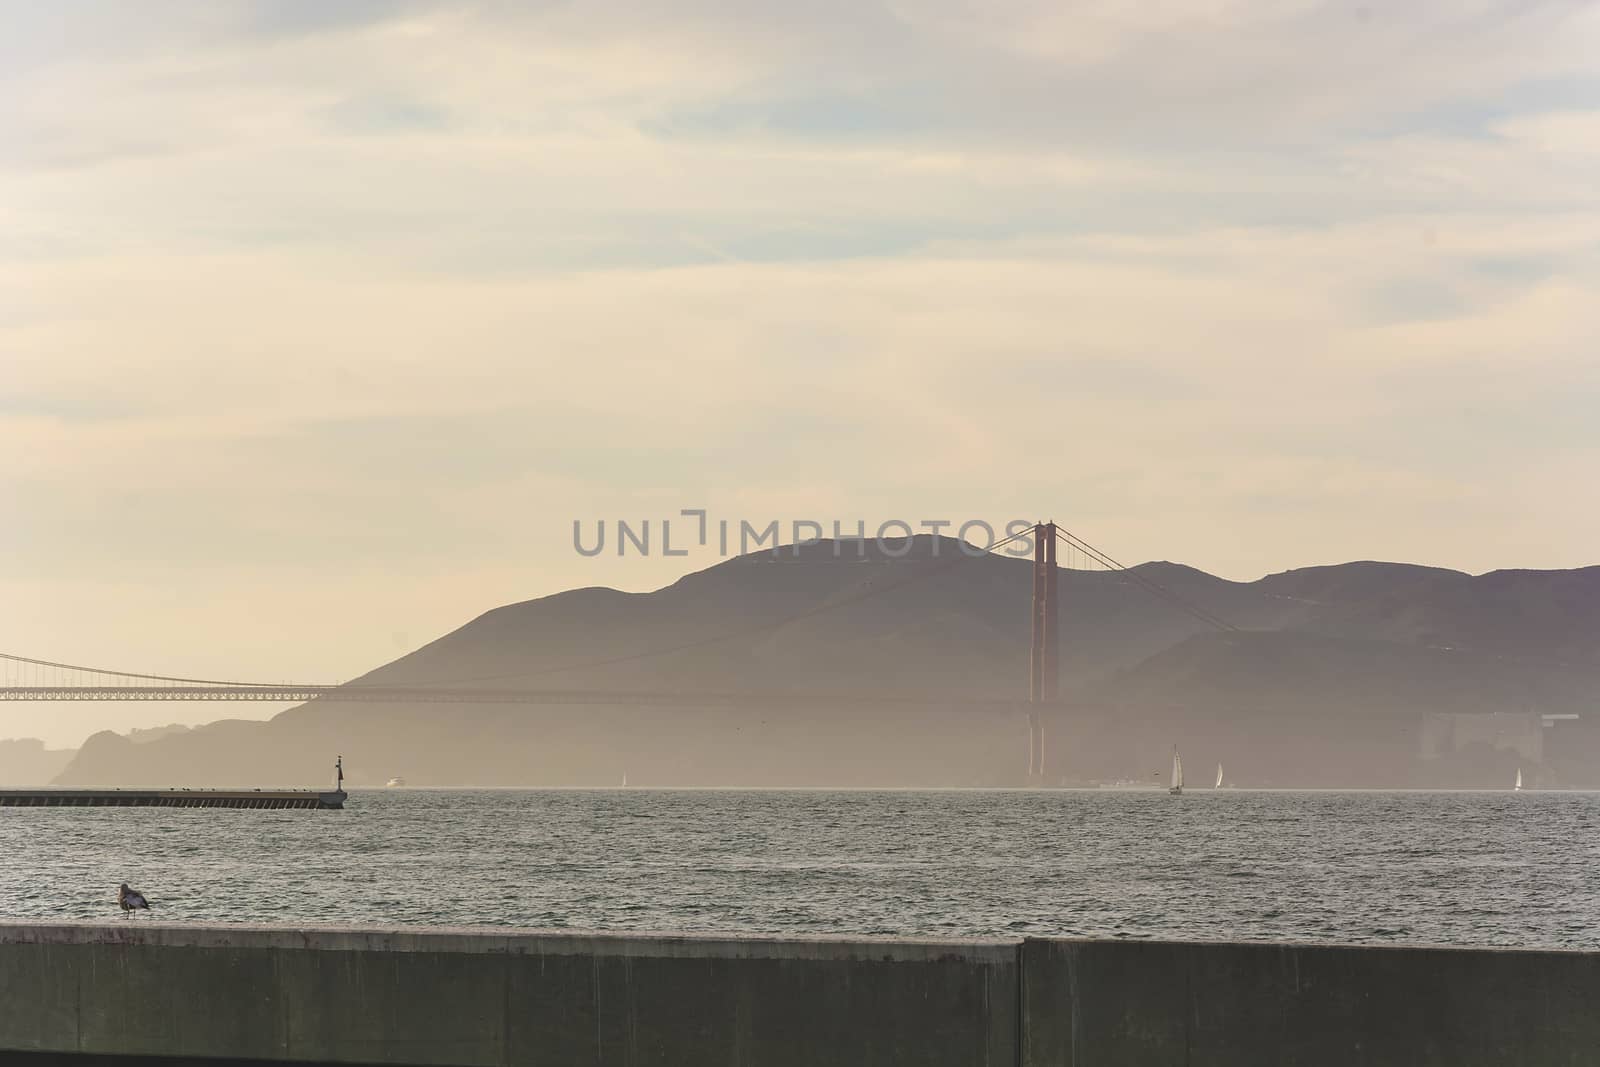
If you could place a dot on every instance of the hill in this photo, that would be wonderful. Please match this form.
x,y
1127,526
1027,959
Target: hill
x,y
24,761
1335,675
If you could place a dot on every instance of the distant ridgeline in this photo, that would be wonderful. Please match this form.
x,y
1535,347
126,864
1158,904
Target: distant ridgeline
x,y
25,761
910,670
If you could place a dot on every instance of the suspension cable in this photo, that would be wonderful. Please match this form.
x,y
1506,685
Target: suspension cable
x,y
611,661
743,631
1155,588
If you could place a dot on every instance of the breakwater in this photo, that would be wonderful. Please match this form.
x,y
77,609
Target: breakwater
x,y
172,798
493,996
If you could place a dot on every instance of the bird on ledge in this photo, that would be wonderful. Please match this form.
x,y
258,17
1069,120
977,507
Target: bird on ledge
x,y
130,899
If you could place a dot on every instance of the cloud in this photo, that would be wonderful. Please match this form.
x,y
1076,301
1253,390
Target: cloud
x,y
929,372
318,314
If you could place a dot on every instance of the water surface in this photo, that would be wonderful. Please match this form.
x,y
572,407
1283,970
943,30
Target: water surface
x,y
1441,868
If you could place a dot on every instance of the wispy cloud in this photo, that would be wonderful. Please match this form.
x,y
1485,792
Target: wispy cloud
x,y
299,299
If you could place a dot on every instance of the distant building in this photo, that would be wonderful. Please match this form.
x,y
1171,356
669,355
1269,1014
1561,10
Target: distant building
x,y
1446,733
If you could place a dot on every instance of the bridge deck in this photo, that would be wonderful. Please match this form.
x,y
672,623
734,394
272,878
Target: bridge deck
x,y
285,694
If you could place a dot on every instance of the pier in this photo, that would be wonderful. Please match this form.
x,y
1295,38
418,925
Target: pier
x,y
331,799
484,997
172,798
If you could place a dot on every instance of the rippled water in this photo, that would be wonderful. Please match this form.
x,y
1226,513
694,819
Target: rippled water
x,y
1460,868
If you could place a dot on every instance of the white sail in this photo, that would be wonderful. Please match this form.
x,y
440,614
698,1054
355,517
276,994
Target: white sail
x,y
1177,772
1219,777
1518,786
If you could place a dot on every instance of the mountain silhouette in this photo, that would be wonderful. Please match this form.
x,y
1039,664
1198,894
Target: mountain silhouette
x,y
854,664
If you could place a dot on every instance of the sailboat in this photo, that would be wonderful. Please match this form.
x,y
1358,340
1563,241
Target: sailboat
x,y
1518,787
1219,777
1177,773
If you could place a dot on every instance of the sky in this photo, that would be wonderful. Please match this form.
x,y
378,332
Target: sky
x,y
321,324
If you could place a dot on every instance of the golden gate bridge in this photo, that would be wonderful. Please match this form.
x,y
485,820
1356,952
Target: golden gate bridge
x,y
28,678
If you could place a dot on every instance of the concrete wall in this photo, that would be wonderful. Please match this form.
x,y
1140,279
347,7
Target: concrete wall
x,y
1155,1004
471,997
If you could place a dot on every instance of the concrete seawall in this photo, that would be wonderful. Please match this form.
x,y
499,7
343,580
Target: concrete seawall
x,y
1197,1004
488,997
162,993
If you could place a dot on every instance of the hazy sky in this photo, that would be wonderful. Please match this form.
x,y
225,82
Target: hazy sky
x,y
321,323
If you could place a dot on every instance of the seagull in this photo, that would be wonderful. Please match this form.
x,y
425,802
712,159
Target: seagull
x,y
131,899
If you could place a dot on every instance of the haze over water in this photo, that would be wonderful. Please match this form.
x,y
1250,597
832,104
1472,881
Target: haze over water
x,y
1442,868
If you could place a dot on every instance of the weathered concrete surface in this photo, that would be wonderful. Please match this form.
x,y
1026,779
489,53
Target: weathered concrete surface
x,y
1155,1004
496,996
470,997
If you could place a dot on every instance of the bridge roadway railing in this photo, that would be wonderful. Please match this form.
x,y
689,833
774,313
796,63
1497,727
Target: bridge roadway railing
x,y
459,695
174,994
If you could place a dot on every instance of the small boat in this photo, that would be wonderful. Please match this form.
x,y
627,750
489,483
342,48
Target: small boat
x,y
1177,773
1518,787
395,783
1219,777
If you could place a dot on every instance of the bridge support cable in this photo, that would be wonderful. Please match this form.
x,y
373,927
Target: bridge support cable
x,y
106,672
183,688
744,631
1153,588
1045,650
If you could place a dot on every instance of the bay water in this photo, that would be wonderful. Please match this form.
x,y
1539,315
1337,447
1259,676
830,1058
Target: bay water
x,y
1358,867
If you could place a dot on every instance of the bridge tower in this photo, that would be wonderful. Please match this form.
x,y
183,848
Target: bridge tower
x,y
1042,675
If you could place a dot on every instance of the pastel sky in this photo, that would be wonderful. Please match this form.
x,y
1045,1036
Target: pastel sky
x,y
321,323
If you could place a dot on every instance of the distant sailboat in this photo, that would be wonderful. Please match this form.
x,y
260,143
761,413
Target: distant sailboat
x,y
1219,777
624,779
1518,787
1177,773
